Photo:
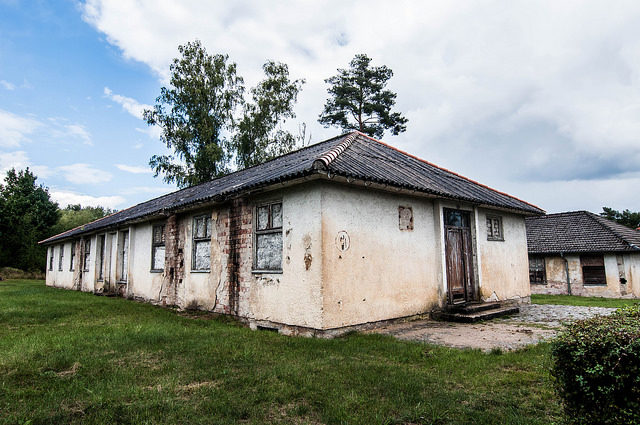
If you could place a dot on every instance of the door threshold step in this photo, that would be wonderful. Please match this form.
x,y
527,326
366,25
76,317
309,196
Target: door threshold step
x,y
477,316
473,307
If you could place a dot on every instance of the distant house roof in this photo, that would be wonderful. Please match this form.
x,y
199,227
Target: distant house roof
x,y
578,232
352,155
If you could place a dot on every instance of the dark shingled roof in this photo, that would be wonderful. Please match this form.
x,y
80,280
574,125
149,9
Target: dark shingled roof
x,y
350,155
578,231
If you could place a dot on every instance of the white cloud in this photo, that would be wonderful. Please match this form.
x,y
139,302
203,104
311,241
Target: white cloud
x,y
7,85
134,169
14,129
78,131
20,160
129,104
64,198
509,93
135,190
84,174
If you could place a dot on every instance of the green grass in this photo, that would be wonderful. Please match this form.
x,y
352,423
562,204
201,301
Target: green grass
x,y
581,301
71,357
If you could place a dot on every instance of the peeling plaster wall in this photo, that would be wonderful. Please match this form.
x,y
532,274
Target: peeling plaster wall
x,y
503,265
294,296
557,278
143,283
386,272
55,277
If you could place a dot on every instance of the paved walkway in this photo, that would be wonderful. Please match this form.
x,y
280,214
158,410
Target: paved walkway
x,y
533,324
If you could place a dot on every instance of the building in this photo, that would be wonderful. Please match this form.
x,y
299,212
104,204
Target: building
x,y
581,253
341,233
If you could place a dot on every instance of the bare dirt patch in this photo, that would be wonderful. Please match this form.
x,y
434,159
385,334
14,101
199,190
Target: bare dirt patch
x,y
534,323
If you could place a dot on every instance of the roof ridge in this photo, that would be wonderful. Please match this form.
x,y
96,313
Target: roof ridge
x,y
329,156
448,171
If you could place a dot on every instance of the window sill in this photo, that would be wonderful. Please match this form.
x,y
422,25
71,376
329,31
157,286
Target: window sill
x,y
594,284
200,271
156,271
495,240
538,283
258,271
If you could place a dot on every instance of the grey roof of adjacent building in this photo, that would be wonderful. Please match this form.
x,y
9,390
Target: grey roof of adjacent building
x,y
579,232
353,155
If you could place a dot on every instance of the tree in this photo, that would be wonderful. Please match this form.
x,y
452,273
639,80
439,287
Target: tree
x,y
259,136
75,215
358,100
26,217
194,114
626,217
197,116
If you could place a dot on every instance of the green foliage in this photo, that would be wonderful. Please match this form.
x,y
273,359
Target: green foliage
x,y
197,116
194,114
75,215
597,368
259,136
358,100
582,301
26,217
72,357
626,217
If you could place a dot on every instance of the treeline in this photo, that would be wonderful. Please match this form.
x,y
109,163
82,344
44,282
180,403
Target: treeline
x,y
28,215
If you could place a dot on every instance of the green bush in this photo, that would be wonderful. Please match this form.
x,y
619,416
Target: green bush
x,y
597,368
13,273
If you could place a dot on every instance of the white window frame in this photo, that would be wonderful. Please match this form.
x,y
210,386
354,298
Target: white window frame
x,y
270,229
490,222
195,240
155,244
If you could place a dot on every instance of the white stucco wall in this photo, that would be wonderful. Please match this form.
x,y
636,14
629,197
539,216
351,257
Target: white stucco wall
x,y
557,279
386,272
503,265
294,296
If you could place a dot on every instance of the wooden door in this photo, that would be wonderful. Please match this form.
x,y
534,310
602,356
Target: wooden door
x,y
459,257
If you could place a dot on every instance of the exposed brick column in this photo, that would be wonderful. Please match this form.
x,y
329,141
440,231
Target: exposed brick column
x,y
238,247
174,262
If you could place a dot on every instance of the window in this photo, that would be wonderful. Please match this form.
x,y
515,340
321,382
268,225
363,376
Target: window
x,y
123,251
50,258
101,244
593,270
201,243
60,258
157,248
72,262
87,255
268,246
456,218
494,228
537,271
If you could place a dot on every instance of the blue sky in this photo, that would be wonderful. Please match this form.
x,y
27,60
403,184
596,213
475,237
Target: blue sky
x,y
541,100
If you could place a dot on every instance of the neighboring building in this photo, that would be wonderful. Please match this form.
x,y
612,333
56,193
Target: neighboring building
x,y
337,234
598,257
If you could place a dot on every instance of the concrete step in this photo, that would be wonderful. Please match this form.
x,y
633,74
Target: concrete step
x,y
470,308
477,316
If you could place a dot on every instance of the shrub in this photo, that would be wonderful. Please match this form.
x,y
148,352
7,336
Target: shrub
x,y
597,368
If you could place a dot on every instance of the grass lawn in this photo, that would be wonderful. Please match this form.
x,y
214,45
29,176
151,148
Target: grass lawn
x,y
581,301
71,357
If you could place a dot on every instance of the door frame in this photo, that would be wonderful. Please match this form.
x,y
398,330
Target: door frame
x,y
470,287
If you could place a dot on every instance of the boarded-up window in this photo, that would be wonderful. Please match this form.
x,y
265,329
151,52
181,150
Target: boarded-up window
x,y
537,272
593,270
157,248
61,258
87,255
268,246
494,228
201,243
405,218
72,262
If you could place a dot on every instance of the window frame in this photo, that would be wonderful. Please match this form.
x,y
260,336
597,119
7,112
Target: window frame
x,y
101,243
155,245
72,257
195,240
86,255
490,235
268,230
61,258
51,254
584,259
544,270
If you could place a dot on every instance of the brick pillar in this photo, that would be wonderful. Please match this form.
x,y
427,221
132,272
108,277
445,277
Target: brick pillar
x,y
174,262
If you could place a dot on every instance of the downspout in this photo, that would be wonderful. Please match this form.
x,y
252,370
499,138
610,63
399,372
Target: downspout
x,y
566,269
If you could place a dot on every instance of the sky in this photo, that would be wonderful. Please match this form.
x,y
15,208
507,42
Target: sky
x,y
537,99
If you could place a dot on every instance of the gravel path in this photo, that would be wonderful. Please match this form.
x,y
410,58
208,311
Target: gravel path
x,y
533,324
